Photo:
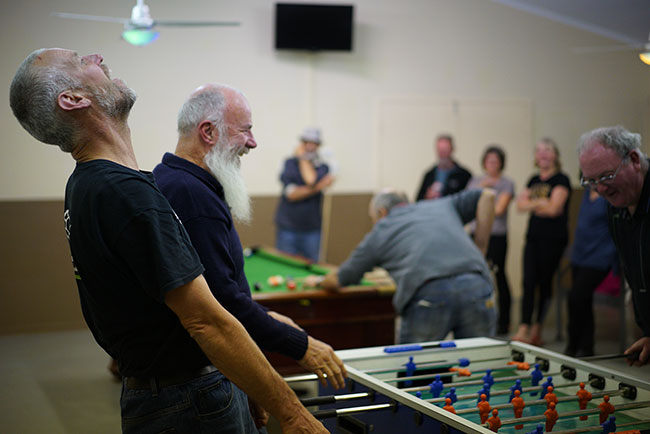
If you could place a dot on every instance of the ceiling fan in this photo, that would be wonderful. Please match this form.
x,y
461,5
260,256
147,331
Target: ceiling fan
x,y
643,48
139,29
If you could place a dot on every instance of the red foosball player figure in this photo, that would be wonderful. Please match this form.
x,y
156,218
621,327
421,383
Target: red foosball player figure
x,y
550,397
605,409
584,396
551,417
450,408
493,421
462,372
521,366
518,405
484,408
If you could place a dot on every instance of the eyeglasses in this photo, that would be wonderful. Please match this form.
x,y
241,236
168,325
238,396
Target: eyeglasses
x,y
593,183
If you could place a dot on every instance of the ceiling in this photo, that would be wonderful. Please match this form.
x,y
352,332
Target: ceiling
x,y
624,21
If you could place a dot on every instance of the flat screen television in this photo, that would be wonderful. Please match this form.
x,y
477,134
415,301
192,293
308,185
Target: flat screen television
x,y
300,26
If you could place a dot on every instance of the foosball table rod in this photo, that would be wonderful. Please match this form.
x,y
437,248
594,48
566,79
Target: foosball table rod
x,y
432,365
299,378
531,389
541,417
333,399
326,414
539,401
473,379
599,428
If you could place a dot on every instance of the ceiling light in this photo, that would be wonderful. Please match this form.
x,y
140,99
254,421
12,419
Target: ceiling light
x,y
645,57
140,37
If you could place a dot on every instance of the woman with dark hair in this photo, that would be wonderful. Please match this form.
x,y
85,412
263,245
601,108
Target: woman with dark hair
x,y
546,198
493,162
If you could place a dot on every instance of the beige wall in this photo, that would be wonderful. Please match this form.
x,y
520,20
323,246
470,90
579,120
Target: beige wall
x,y
444,49
457,51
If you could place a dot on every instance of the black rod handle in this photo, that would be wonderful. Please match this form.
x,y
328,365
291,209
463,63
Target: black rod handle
x,y
324,414
318,400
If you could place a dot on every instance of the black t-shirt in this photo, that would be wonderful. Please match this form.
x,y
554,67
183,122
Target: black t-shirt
x,y
548,227
128,249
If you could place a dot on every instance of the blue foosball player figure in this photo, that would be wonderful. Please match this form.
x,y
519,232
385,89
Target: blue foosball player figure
x,y
548,382
536,377
488,378
436,387
609,426
410,370
516,386
452,395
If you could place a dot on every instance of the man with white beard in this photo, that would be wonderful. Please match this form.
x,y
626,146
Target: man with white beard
x,y
204,185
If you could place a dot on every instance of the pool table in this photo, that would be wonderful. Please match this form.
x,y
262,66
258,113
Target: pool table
x,y
356,316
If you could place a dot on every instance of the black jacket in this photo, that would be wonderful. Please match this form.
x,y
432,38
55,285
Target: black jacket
x,y
631,235
456,181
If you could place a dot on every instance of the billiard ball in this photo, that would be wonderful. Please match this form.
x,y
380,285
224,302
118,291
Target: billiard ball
x,y
275,280
291,285
257,286
248,252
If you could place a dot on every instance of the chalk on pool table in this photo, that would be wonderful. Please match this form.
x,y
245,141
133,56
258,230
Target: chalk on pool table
x,y
257,286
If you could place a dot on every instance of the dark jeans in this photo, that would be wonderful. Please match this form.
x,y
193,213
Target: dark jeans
x,y
462,303
496,253
585,280
210,404
303,243
541,259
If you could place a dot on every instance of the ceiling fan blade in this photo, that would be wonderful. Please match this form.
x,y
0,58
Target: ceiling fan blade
x,y
606,48
173,23
91,17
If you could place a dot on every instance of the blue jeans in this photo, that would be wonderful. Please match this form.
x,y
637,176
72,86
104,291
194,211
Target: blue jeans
x,y
206,404
303,243
463,303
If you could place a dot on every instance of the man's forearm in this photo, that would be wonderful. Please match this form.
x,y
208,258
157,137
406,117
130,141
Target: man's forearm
x,y
301,192
218,334
484,219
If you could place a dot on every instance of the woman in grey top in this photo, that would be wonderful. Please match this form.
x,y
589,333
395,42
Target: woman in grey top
x,y
493,162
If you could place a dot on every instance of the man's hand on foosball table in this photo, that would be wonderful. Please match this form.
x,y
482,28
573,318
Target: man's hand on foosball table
x,y
321,360
642,346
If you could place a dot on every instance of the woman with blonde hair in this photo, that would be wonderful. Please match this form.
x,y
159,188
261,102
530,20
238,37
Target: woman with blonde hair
x,y
546,198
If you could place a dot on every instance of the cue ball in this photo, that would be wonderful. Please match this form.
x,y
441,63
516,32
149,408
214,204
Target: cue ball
x,y
248,252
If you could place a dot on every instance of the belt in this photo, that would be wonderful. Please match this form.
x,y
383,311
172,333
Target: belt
x,y
167,380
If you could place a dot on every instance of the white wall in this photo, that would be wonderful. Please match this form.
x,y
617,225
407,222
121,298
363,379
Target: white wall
x,y
451,49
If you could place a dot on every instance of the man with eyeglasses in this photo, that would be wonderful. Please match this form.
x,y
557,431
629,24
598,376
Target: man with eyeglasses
x,y
612,163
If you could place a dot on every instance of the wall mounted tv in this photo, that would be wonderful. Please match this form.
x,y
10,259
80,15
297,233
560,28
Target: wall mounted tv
x,y
300,26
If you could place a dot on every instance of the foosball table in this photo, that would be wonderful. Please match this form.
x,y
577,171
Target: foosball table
x,y
436,388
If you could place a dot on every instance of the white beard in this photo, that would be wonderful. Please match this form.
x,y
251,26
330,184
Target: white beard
x,y
223,162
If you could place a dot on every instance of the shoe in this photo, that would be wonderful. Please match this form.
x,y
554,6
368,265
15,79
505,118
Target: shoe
x,y
522,334
584,353
570,350
536,335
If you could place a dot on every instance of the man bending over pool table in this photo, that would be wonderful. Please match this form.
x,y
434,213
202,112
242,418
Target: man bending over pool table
x,y
203,183
443,281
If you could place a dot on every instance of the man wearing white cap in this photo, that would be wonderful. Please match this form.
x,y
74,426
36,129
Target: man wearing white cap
x,y
298,218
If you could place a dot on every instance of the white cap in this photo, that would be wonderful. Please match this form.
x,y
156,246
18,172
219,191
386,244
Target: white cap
x,y
310,134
